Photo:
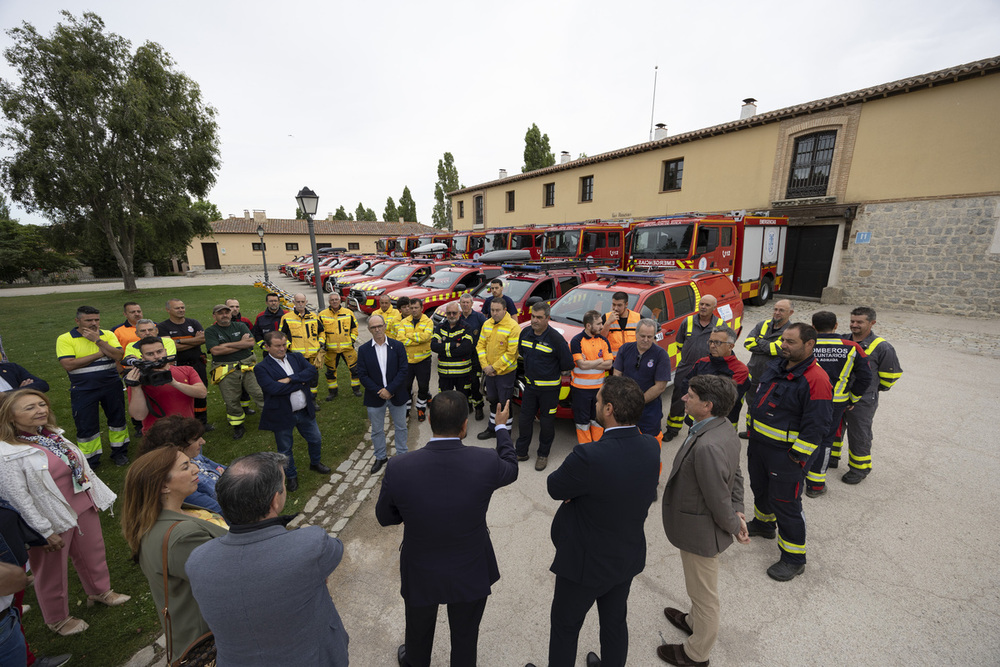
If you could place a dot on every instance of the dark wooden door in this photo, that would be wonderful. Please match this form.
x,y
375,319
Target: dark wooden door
x,y
211,253
808,258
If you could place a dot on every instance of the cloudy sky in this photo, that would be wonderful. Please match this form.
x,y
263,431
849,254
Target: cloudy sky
x,y
359,99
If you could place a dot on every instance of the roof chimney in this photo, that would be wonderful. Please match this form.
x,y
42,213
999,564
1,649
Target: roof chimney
x,y
503,173
660,132
259,215
749,108
246,213
564,158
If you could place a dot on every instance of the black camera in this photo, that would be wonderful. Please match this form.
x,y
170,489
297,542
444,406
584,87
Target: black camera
x,y
151,373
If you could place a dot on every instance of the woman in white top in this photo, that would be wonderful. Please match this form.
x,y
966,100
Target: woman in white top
x,y
48,480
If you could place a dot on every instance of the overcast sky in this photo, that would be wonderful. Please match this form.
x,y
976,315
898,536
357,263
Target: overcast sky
x,y
358,99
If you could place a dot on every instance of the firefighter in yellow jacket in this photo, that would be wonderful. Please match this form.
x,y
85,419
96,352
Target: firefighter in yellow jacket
x,y
497,351
389,314
415,331
340,330
303,331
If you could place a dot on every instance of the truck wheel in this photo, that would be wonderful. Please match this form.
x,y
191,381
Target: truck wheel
x,y
764,294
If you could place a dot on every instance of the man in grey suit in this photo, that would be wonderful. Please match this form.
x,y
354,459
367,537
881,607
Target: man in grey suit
x,y
702,511
262,588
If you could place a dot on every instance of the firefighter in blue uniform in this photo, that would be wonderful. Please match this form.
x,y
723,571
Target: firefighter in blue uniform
x,y
453,344
788,417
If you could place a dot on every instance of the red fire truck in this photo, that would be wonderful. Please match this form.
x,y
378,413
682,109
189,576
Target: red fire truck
x,y
750,249
599,241
468,245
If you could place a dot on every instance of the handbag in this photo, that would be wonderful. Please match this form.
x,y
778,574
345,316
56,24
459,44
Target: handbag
x,y
201,653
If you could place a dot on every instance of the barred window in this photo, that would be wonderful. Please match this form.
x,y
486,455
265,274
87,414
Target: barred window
x,y
811,162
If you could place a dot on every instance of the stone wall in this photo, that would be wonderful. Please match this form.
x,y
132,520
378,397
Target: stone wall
x,y
237,268
940,256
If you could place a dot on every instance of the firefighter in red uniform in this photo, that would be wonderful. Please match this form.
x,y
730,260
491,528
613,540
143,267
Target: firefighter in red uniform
x,y
846,363
788,418
721,361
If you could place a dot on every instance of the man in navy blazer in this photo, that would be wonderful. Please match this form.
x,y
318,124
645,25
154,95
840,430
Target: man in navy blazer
x,y
285,379
441,494
13,376
382,369
606,487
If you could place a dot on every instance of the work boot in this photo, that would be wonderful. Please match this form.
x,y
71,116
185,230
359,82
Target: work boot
x,y
421,414
541,462
743,435
670,435
852,477
488,432
332,395
834,463
784,571
479,413
238,432
757,528
356,391
815,491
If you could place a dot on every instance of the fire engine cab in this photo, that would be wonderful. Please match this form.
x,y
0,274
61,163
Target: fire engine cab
x,y
750,249
598,241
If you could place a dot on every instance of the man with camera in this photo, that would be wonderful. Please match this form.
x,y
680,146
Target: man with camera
x,y
157,388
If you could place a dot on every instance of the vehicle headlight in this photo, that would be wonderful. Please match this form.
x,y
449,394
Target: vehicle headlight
x,y
374,292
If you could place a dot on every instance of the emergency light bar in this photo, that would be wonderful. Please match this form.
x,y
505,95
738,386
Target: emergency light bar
x,y
631,276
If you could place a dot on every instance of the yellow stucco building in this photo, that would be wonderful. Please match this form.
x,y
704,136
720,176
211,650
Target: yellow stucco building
x,y
234,245
892,192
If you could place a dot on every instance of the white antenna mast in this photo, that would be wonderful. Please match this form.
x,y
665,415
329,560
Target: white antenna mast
x,y
652,111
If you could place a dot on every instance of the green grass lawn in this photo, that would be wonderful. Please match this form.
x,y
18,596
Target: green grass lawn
x,y
30,328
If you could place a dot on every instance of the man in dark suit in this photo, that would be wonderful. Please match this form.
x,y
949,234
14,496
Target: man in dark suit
x,y
702,511
285,378
606,487
13,376
382,369
440,494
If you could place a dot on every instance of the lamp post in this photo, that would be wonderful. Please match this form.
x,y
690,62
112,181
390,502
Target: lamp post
x,y
263,254
308,201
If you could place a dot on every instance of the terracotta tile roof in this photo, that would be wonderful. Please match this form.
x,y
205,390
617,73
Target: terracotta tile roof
x,y
931,79
325,227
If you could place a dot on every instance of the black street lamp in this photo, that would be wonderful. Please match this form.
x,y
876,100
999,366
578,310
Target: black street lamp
x,y
260,234
308,201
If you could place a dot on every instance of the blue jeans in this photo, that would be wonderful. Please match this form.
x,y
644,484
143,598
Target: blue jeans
x,y
309,430
13,650
377,417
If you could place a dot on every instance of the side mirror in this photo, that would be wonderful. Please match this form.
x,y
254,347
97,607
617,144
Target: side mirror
x,y
533,300
414,280
461,287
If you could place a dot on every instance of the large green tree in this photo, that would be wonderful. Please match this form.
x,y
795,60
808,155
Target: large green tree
x,y
365,214
447,182
208,209
391,213
103,138
537,152
341,214
407,207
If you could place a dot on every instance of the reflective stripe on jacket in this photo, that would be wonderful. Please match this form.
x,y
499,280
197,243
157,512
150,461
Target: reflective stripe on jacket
x,y
303,333
416,337
340,329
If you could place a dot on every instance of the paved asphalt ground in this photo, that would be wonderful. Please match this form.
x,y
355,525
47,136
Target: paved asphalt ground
x,y
902,569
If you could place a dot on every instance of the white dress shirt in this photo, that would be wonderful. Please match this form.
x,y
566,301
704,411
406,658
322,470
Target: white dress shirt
x,y
382,354
298,397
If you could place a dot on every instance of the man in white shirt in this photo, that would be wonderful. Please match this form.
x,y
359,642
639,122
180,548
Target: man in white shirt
x,y
285,377
382,369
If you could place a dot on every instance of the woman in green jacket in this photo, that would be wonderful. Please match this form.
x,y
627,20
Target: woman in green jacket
x,y
155,488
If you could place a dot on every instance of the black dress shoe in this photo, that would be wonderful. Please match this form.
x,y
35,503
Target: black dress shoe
x,y
676,618
674,654
320,468
292,484
593,660
401,655
378,465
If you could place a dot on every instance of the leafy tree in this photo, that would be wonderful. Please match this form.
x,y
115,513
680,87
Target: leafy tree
x,y
447,182
23,248
299,214
537,152
341,214
391,214
105,139
208,209
407,207
365,214
359,213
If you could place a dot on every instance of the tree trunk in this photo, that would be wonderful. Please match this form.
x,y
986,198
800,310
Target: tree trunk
x,y
123,255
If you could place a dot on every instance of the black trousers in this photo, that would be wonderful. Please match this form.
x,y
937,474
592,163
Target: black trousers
x,y
476,379
535,401
448,382
570,605
200,404
421,371
463,621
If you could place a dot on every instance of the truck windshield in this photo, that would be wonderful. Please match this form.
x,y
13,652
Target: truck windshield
x,y
442,279
380,245
401,272
461,243
379,269
667,242
571,308
495,242
561,244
